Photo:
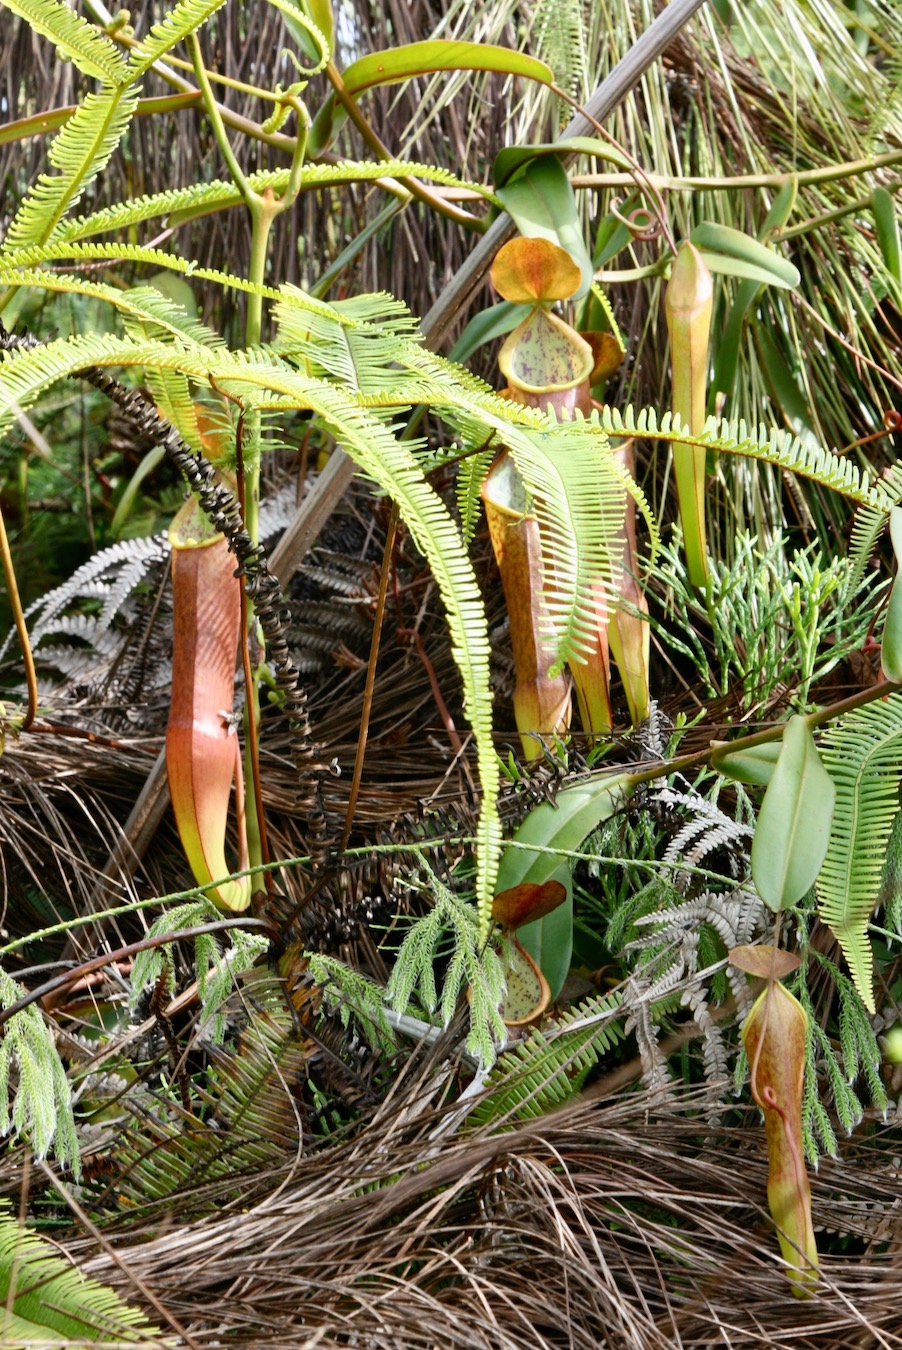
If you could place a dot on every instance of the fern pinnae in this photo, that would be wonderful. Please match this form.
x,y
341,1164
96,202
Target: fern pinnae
x,y
781,448
80,150
49,1302
75,39
185,18
470,477
862,755
546,1069
184,204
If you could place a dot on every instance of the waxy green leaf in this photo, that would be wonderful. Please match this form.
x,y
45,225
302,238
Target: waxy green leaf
x,y
563,825
891,644
886,224
509,161
727,358
752,765
760,262
411,60
793,828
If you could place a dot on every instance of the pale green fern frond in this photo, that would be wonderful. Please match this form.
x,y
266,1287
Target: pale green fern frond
x,y
452,931
156,316
183,204
544,1071
867,527
578,492
75,39
470,477
769,444
48,1302
558,30
42,1108
357,345
185,18
863,755
80,152
171,391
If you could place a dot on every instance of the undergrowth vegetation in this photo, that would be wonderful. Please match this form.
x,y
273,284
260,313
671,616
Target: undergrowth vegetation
x,y
451,836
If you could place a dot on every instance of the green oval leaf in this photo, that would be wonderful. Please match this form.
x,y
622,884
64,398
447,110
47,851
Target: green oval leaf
x,y
754,765
508,162
781,209
419,58
886,223
751,259
576,812
891,644
496,321
742,268
793,828
427,58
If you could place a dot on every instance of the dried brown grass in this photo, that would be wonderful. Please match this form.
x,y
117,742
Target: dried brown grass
x,y
622,1224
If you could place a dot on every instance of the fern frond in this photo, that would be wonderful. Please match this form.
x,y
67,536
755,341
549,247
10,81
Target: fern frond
x,y
545,1070
161,317
170,389
451,929
214,970
470,478
867,527
148,965
578,492
42,1109
75,39
250,1110
356,344
861,753
80,151
182,204
185,18
771,445
351,994
560,38
49,1302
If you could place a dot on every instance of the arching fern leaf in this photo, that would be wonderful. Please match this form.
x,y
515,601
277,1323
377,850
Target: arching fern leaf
x,y
80,152
545,1070
75,39
185,18
183,204
769,444
862,755
48,1302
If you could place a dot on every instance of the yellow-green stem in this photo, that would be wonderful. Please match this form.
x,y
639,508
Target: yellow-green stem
x,y
12,590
